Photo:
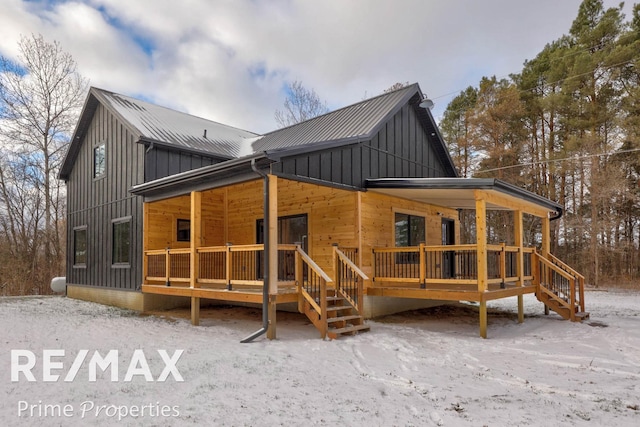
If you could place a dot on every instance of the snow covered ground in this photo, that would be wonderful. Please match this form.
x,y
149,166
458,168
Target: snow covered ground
x,y
415,369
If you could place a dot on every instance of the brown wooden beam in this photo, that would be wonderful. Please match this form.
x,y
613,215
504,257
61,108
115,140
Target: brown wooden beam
x,y
511,202
216,294
481,241
434,294
509,292
518,233
483,319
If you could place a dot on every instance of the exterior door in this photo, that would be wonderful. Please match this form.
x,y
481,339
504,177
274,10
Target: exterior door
x,y
448,257
291,230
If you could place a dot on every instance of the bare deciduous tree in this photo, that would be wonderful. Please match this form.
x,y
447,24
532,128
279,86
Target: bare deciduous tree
x,y
396,86
41,93
301,104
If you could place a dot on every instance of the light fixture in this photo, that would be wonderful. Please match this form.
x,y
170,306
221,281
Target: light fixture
x,y
426,103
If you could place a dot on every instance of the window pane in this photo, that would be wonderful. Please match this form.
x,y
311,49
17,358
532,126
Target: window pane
x,y
121,242
417,233
99,161
80,247
184,230
402,229
410,230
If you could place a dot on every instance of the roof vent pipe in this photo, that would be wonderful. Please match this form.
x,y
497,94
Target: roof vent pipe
x,y
205,133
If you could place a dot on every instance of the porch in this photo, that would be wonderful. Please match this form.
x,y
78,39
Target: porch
x,y
236,274
445,273
331,283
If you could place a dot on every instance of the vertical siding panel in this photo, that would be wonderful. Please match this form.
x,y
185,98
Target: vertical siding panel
x,y
398,144
336,167
302,166
414,145
325,166
382,165
374,169
289,166
95,203
346,165
356,166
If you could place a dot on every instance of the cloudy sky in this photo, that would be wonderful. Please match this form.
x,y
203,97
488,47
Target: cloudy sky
x,y
229,60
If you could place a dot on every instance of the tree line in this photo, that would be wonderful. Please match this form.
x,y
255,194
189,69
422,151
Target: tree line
x,y
40,97
566,127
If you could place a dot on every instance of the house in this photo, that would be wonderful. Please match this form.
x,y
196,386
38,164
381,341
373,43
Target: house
x,y
348,215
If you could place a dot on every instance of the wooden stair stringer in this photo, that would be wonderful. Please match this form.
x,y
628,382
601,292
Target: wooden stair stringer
x,y
342,318
559,305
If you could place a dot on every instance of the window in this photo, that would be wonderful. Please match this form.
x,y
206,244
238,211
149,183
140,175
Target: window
x,y
80,246
121,241
410,230
99,161
291,229
184,230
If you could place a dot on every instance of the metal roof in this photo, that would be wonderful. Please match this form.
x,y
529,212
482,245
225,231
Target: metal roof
x,y
354,122
160,124
457,192
204,178
163,126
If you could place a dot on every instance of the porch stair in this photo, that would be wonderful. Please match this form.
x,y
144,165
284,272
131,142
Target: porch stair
x,y
561,289
552,301
342,317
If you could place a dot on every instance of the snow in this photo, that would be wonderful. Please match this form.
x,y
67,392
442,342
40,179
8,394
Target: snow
x,y
423,368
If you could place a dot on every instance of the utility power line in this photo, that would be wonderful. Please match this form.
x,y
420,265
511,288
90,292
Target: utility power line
x,y
587,156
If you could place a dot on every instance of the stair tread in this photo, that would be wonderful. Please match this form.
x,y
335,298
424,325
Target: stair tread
x,y
352,328
343,318
339,307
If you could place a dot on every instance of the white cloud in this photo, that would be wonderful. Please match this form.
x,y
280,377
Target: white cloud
x,y
228,60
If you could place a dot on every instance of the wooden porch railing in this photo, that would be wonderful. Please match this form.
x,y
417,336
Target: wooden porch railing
x,y
560,283
452,264
226,265
168,265
349,278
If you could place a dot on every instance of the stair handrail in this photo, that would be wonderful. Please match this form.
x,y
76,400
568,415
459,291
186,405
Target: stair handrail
x,y
319,271
357,302
304,258
564,266
560,269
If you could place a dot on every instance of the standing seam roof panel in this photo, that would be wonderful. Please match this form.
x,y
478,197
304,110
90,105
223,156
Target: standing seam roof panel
x,y
356,120
162,124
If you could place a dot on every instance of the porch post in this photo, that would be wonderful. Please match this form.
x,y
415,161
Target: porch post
x,y
145,242
273,253
195,241
481,251
546,249
546,234
519,242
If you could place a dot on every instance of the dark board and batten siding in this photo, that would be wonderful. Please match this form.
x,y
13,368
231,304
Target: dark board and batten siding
x,y
161,162
400,149
95,203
